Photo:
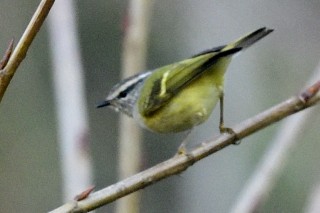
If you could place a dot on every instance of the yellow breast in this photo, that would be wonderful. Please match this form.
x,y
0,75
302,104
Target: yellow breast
x,y
190,107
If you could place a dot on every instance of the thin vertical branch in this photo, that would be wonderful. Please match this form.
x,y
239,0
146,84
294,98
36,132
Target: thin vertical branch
x,y
23,45
70,99
271,165
314,201
133,61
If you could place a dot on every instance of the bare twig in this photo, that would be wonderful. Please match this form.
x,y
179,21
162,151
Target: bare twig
x,y
6,55
268,170
133,61
83,195
180,163
23,45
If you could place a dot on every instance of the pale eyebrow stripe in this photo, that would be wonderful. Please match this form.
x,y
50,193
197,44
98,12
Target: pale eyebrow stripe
x,y
129,82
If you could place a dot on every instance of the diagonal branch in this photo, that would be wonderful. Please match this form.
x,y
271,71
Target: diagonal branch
x,y
258,187
179,163
23,45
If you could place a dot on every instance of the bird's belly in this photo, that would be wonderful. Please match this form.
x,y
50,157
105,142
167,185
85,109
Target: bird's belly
x,y
189,108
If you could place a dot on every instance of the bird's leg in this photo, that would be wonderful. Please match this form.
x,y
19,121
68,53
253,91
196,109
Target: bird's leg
x,y
182,150
222,128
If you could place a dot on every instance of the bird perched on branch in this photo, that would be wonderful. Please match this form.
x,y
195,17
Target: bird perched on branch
x,y
179,96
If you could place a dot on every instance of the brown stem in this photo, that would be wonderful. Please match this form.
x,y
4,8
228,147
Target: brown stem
x,y
6,55
23,45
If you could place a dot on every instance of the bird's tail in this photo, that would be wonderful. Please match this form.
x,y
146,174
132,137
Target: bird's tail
x,y
249,39
240,44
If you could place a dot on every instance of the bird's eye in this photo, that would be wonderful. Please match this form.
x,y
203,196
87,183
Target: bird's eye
x,y
122,94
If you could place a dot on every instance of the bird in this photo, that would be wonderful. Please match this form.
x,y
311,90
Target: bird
x,y
179,96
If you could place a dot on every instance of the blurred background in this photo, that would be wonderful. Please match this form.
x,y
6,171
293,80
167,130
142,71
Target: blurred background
x,y
267,73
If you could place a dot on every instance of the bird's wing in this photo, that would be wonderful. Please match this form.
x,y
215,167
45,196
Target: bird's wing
x,y
212,50
167,81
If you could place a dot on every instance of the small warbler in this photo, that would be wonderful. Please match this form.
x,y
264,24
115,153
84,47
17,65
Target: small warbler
x,y
179,96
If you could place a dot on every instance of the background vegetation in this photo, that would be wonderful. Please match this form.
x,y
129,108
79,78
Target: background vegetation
x,y
274,69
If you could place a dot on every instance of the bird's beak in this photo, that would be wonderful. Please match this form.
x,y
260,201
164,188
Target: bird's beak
x,y
103,104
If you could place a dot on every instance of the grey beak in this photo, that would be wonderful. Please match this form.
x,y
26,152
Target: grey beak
x,y
103,104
